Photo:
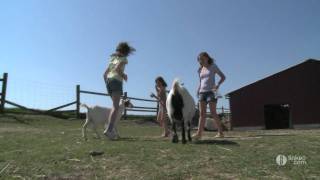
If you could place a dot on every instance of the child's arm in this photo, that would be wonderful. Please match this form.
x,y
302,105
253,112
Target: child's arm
x,y
105,75
154,96
157,98
198,90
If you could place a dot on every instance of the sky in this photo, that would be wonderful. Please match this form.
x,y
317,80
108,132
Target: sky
x,y
50,46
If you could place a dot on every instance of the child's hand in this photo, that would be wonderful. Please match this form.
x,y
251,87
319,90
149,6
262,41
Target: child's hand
x,y
215,89
125,77
152,95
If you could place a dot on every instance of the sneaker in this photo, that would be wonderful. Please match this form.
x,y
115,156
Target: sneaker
x,y
110,135
219,135
116,133
196,137
163,135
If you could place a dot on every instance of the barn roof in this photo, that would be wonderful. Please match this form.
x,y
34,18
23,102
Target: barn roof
x,y
308,61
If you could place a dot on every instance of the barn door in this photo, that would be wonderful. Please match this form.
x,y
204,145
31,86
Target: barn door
x,y
277,116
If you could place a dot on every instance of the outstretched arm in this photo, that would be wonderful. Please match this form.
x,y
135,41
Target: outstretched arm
x,y
162,103
157,98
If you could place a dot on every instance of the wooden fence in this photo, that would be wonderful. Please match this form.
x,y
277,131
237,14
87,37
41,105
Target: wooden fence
x,y
125,95
51,112
77,102
4,81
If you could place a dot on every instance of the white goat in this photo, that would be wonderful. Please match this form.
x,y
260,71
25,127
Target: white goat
x,y
181,109
98,115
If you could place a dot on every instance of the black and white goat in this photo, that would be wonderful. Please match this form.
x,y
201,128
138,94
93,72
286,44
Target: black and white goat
x,y
181,109
98,115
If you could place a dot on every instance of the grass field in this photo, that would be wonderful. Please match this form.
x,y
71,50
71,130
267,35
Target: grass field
x,y
42,147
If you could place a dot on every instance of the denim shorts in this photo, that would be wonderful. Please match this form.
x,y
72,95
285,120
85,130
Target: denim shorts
x,y
114,86
207,97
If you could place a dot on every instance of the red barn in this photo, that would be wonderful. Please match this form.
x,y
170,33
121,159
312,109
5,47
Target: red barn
x,y
287,99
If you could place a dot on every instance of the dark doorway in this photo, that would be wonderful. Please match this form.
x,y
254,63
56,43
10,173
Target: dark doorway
x,y
277,116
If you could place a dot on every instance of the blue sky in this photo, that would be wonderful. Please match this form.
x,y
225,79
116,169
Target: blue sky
x,y
49,46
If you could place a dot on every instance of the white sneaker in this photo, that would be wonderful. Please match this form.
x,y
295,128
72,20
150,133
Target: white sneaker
x,y
110,135
115,131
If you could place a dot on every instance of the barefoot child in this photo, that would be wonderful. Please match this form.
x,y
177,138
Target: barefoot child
x,y
207,92
162,97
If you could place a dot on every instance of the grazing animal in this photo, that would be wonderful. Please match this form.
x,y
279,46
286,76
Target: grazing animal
x,y
98,115
181,109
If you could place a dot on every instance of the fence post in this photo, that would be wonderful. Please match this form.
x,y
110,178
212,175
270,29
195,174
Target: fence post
x,y
4,90
125,109
78,101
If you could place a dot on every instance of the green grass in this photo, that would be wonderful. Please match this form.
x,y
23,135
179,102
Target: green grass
x,y
42,147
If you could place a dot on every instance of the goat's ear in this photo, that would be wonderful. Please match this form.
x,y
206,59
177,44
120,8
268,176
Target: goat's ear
x,y
127,103
123,99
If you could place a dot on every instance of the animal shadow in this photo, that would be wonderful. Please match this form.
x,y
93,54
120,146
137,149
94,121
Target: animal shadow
x,y
217,142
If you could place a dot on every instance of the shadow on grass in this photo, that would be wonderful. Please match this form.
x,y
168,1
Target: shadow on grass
x,y
145,139
284,134
129,139
216,142
207,142
146,122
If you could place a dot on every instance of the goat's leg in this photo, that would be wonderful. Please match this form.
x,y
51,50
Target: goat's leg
x,y
189,131
94,127
84,129
175,138
183,133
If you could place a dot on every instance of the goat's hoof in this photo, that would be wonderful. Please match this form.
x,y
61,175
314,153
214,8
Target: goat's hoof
x,y
175,139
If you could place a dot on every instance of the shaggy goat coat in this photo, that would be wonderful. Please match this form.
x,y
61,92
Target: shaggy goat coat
x,y
181,109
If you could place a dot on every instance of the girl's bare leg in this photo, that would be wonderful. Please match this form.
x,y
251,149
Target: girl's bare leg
x,y
216,118
114,111
159,117
165,124
202,118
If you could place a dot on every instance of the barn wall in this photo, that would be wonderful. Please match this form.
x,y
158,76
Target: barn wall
x,y
299,87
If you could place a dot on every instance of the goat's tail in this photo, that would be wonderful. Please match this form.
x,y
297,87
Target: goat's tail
x,y
85,106
175,85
